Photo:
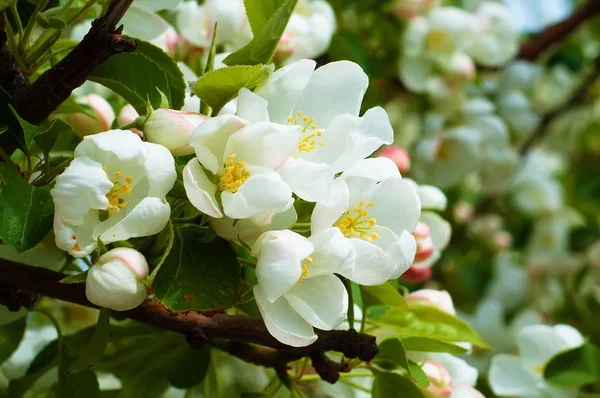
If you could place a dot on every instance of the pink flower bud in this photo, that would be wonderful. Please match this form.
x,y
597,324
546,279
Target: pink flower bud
x,y
398,155
463,212
102,121
441,382
285,48
127,115
115,280
417,275
172,129
440,299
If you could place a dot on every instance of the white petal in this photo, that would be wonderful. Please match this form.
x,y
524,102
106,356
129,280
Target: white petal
x,y
461,372
264,144
326,214
401,248
160,170
261,193
373,265
283,322
415,72
439,228
192,23
76,239
149,217
310,181
143,24
113,285
280,254
376,169
538,343
570,335
507,377
156,5
210,138
333,253
432,197
283,88
334,89
199,190
81,187
322,301
397,205
252,107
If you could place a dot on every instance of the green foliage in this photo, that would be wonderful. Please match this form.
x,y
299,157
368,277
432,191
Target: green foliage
x,y
262,47
71,106
4,4
574,368
427,344
393,385
26,212
426,321
136,76
10,337
96,346
392,354
384,294
77,278
197,275
44,135
220,86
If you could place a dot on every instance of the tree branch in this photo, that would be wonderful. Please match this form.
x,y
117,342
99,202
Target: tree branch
x,y
532,49
199,329
36,102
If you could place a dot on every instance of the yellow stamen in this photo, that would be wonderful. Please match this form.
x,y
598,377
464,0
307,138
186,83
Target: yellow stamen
x,y
115,196
234,175
355,224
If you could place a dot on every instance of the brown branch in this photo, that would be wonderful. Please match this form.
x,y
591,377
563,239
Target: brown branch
x,y
199,329
36,102
532,49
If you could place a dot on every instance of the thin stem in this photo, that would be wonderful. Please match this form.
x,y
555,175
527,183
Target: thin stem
x,y
81,12
313,377
363,322
17,18
24,41
12,46
302,368
58,330
348,285
356,385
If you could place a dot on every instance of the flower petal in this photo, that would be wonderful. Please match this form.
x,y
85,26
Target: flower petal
x,y
199,190
251,107
280,254
322,301
333,253
149,217
209,140
261,193
326,214
284,87
160,170
432,197
401,248
507,377
397,205
376,169
283,322
538,343
310,181
439,228
143,24
373,265
334,89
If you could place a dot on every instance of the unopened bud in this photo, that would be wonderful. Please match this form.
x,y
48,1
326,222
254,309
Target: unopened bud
x,y
172,129
285,48
398,155
104,116
502,240
441,382
463,212
440,299
417,275
460,68
115,281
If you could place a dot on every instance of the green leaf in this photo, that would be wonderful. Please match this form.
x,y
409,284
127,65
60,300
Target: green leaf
x,y
391,353
135,77
47,139
3,128
32,132
220,86
26,212
426,321
418,374
11,335
426,344
75,385
168,235
576,367
384,294
210,66
196,275
175,80
261,48
13,137
393,385
71,106
95,349
190,368
77,278
259,12
4,4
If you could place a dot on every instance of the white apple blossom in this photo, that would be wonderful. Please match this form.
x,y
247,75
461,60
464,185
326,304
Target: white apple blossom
x,y
461,375
115,280
522,376
398,155
236,161
196,23
308,32
324,104
114,189
376,210
297,289
172,129
102,119
142,19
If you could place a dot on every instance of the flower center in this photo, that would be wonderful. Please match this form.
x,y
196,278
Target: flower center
x,y
307,261
234,175
309,132
355,222
439,40
115,196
